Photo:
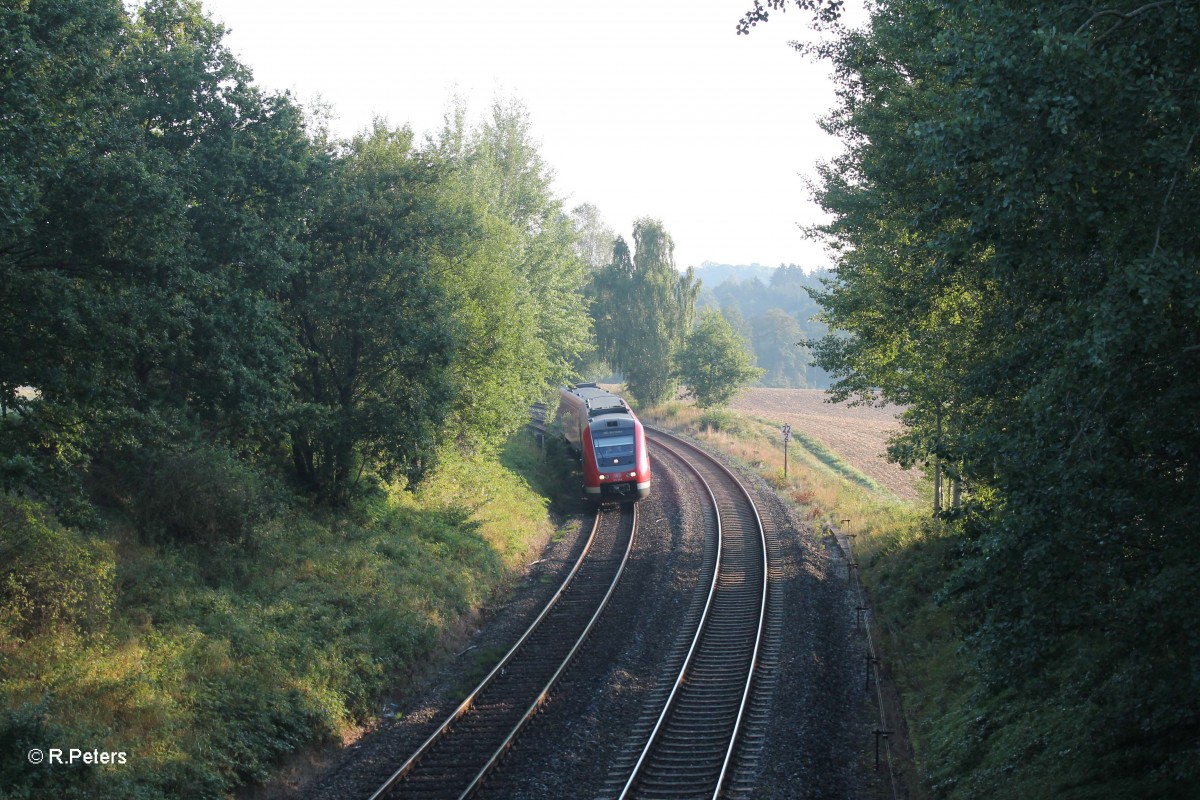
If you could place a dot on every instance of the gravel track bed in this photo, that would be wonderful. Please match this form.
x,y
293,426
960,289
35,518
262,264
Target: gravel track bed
x,y
811,736
817,740
567,751
365,765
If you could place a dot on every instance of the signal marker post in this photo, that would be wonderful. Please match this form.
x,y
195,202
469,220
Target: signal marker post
x,y
787,437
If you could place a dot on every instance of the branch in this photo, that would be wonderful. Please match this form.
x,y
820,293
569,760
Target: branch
x,y
1162,214
1112,12
825,12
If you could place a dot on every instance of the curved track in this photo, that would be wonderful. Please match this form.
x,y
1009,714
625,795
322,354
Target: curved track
x,y
689,751
457,757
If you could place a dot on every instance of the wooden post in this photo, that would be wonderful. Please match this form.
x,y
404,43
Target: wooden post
x,y
787,436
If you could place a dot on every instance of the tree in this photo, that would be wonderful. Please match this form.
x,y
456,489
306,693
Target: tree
x,y
516,287
594,238
1014,213
776,337
643,310
780,315
714,362
150,199
377,338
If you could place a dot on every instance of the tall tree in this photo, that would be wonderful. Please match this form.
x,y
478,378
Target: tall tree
x,y
375,327
149,196
644,310
594,238
1015,214
516,289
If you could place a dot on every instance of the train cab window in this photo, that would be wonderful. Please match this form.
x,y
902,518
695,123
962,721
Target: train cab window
x,y
614,451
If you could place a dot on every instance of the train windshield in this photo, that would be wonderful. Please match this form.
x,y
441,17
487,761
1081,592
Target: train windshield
x,y
613,451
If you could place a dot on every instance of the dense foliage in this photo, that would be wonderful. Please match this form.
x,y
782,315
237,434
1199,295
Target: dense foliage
x,y
714,362
150,212
643,310
186,257
1016,212
256,384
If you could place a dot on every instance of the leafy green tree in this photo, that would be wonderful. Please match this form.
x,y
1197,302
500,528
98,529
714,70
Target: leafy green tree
x,y
1015,215
516,288
644,308
376,328
714,362
149,200
594,238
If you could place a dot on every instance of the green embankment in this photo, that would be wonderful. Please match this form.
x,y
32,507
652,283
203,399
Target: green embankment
x,y
206,666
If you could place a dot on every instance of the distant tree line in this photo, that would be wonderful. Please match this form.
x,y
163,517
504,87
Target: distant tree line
x,y
185,258
772,309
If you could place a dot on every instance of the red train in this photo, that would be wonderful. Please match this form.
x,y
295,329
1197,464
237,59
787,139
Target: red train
x,y
610,441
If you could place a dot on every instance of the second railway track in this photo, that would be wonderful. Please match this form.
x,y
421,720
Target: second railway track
x,y
690,750
458,756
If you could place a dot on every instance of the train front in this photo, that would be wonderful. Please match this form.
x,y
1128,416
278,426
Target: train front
x,y
615,464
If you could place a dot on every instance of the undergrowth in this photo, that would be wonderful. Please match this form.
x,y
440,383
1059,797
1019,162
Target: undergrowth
x,y
207,663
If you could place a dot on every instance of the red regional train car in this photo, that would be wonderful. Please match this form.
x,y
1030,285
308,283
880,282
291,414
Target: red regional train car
x,y
610,441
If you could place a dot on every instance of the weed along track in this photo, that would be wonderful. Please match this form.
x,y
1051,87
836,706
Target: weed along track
x,y
459,755
690,749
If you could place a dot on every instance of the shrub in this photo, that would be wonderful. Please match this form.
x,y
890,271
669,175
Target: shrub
x,y
21,730
50,576
202,495
718,419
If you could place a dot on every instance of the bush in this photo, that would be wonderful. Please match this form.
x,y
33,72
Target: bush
x,y
50,576
21,730
719,419
202,495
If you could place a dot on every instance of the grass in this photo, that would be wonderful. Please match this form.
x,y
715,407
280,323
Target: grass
x,y
208,665
827,487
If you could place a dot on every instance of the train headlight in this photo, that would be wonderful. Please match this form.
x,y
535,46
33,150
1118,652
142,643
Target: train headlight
x,y
633,474
601,477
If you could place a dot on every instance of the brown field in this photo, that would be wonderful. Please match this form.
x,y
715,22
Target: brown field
x,y
858,434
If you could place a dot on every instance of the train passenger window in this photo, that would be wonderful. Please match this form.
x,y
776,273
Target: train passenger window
x,y
612,451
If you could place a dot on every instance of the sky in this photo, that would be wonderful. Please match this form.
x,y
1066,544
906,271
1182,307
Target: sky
x,y
642,107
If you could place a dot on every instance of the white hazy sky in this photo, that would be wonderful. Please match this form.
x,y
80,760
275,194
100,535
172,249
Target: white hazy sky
x,y
642,107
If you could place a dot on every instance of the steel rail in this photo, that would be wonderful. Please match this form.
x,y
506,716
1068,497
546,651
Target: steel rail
x,y
702,628
391,783
541,698
687,661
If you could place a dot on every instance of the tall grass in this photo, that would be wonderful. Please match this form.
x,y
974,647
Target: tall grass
x,y
210,662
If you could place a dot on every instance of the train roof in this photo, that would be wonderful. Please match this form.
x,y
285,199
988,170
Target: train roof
x,y
598,401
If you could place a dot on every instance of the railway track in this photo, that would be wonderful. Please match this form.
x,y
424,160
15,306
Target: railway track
x,y
456,758
689,750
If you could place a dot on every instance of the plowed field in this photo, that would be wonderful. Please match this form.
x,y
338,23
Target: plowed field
x,y
858,434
